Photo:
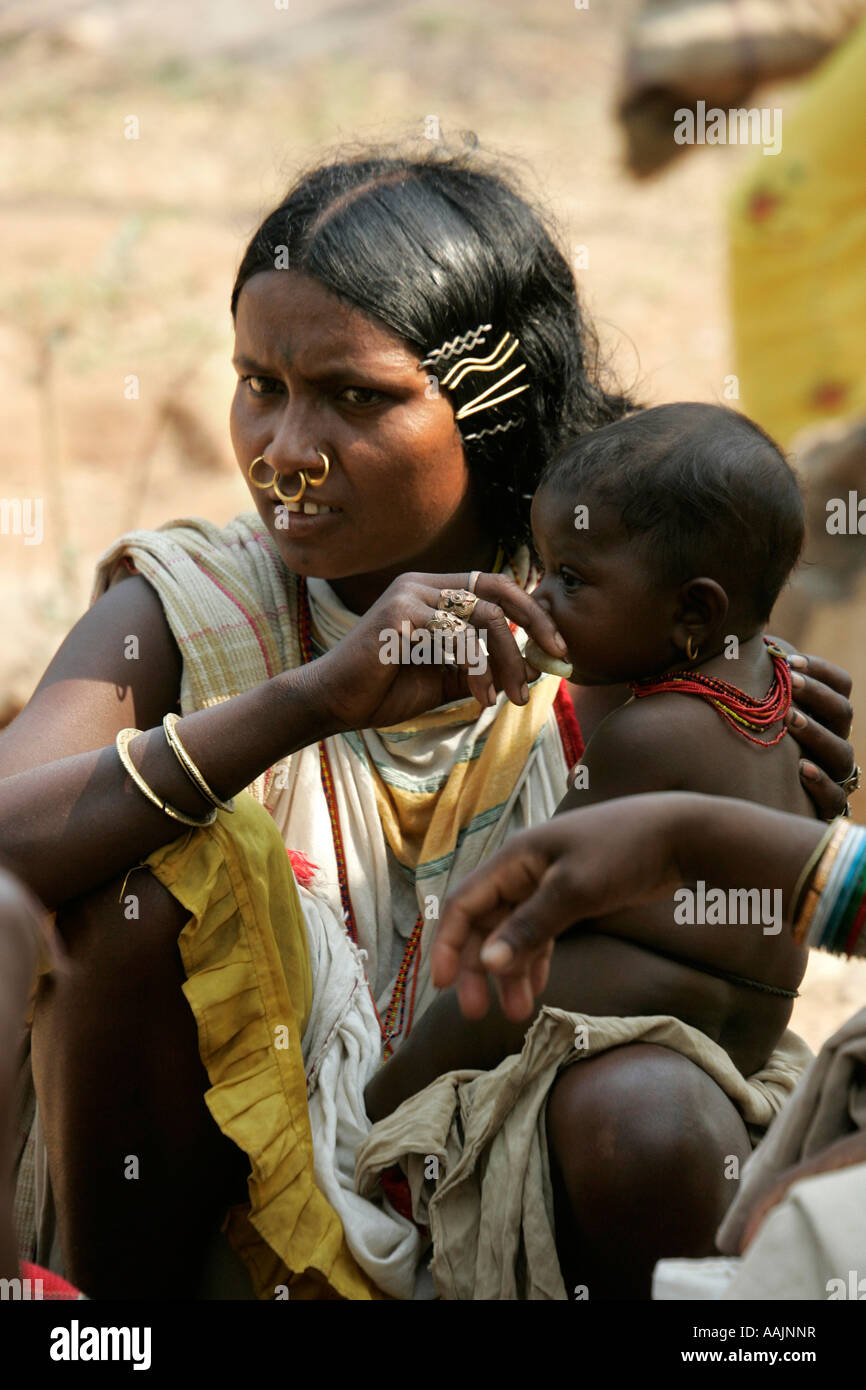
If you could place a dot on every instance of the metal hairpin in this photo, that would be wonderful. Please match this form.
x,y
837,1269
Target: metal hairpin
x,y
494,360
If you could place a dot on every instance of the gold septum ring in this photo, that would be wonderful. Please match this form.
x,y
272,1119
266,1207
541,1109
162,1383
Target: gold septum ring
x,y
305,477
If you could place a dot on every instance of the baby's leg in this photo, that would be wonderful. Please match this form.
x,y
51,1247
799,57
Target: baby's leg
x,y
640,1142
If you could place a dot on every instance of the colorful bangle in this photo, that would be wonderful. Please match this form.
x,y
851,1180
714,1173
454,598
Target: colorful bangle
x,y
839,830
121,743
189,767
834,912
834,869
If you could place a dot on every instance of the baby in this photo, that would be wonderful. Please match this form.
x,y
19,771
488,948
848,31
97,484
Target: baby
x,y
665,540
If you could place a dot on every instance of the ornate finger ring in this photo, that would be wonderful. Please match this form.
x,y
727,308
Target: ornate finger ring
x,y
850,783
458,601
442,621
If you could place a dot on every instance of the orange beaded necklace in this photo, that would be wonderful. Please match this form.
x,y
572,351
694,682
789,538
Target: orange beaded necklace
x,y
391,1026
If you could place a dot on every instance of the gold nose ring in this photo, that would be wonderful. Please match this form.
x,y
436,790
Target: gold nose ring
x,y
326,468
296,497
305,477
272,481
255,482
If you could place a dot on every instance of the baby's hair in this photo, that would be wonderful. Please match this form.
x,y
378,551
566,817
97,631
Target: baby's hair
x,y
712,493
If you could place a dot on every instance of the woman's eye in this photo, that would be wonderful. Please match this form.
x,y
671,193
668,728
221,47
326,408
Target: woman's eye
x,y
262,385
360,395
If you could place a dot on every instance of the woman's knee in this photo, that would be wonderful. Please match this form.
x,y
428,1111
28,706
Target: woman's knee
x,y
645,1142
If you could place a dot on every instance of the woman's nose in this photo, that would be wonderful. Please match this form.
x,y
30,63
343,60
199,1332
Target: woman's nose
x,y
295,441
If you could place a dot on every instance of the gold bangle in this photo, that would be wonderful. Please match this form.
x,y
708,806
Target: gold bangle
x,y
841,828
808,869
189,767
121,743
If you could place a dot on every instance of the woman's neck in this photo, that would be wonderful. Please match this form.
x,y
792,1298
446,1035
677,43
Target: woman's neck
x,y
358,592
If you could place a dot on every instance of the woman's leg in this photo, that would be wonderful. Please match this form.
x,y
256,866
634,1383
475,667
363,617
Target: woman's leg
x,y
141,1173
641,1142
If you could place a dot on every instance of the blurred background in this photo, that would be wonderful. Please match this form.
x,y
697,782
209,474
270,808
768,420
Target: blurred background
x,y
141,143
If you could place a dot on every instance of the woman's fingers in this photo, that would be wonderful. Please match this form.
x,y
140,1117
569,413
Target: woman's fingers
x,y
519,989
822,671
478,905
533,923
488,651
827,795
472,992
832,754
824,704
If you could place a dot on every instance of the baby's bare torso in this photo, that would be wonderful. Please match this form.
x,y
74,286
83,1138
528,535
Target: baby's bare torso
x,y
699,752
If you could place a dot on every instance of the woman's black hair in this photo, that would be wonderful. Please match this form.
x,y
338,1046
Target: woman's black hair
x,y
435,245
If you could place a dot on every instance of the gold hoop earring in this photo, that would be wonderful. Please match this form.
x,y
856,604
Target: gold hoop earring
x,y
261,459
317,482
298,495
690,643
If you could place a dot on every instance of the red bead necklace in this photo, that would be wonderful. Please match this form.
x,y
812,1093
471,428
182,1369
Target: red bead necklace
x,y
741,711
390,1027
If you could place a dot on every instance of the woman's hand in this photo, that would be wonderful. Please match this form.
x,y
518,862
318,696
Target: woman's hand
x,y
365,682
595,861
579,865
820,721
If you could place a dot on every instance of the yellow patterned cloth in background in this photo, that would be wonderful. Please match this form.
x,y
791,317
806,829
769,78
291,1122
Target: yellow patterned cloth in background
x,y
798,258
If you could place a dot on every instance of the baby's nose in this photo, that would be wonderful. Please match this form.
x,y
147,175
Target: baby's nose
x,y
541,593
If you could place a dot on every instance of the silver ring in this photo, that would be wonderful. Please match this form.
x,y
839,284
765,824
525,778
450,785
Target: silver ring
x,y
850,783
473,580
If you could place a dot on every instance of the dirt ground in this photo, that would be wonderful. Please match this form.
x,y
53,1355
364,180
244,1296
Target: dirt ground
x,y
119,253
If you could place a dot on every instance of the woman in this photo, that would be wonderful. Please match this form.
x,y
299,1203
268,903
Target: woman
x,y
375,309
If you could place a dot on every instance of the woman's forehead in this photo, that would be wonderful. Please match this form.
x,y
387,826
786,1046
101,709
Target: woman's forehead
x,y
291,315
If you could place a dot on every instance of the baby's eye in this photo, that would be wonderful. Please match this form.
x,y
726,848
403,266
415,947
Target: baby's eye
x,y
569,580
263,385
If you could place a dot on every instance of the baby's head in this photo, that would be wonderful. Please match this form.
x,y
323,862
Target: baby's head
x,y
679,522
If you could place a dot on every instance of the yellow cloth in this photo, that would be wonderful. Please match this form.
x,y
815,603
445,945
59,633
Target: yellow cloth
x,y
249,986
798,258
425,821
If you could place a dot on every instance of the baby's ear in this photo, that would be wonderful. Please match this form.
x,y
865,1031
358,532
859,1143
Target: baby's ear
x,y
702,606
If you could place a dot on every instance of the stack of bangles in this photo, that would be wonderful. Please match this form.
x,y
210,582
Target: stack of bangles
x,y
127,736
832,913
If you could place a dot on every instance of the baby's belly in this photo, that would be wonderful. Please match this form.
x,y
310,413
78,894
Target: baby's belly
x,y
596,974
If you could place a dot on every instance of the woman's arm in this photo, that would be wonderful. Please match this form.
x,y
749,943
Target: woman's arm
x,y
70,817
593,862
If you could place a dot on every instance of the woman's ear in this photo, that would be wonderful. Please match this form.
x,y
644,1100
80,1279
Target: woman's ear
x,y
702,606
